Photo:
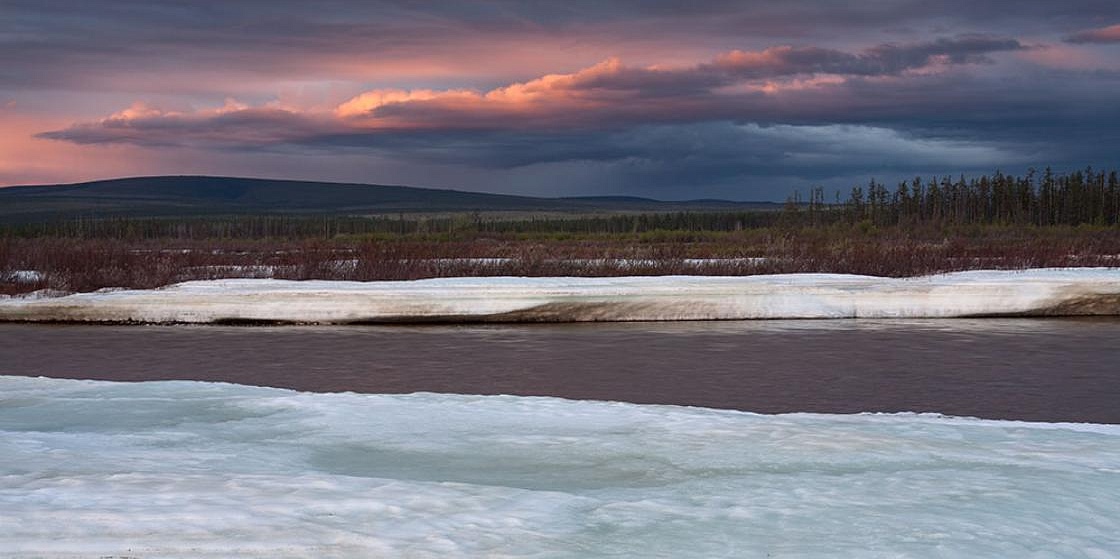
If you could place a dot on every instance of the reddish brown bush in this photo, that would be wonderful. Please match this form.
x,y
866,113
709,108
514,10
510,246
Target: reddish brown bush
x,y
87,265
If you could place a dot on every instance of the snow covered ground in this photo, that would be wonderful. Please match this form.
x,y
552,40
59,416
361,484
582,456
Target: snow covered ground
x,y
22,276
191,469
1065,291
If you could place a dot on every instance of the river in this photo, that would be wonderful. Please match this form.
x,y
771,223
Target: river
x,y
1024,369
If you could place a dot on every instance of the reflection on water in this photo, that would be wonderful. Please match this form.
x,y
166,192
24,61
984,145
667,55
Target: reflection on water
x,y
1032,369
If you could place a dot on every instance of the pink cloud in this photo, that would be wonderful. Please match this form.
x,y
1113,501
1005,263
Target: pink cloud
x,y
1110,34
604,95
1069,57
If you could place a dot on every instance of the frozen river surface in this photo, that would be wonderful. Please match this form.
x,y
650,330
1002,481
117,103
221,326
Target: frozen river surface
x,y
193,469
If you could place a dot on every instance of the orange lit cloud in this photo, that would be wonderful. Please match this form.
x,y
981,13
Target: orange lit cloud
x,y
547,94
605,95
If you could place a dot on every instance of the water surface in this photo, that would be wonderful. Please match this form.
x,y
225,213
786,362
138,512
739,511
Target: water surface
x,y
1029,369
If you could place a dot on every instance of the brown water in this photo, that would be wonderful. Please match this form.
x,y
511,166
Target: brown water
x,y
1030,369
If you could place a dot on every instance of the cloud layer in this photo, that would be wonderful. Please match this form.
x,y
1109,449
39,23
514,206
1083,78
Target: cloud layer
x,y
737,85
1104,35
735,99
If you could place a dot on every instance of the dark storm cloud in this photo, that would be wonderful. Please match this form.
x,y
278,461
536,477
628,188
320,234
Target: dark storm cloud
x,y
931,124
883,60
877,121
119,43
243,127
703,93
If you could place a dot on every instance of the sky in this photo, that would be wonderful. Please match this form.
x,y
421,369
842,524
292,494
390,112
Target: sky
x,y
741,100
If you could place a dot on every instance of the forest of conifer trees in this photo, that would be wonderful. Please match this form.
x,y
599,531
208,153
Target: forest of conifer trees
x,y
1039,199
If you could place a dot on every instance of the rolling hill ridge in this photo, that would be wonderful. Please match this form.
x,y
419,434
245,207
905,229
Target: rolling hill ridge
x,y
167,196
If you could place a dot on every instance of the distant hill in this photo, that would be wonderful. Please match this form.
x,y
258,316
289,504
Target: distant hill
x,y
195,196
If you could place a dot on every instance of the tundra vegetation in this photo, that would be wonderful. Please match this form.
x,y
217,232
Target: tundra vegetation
x,y
921,226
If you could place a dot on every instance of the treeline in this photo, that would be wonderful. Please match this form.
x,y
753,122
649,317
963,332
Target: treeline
x,y
1035,199
221,227
636,223
1046,199
455,227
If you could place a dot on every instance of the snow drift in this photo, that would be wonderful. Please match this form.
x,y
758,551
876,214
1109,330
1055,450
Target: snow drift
x,y
1040,292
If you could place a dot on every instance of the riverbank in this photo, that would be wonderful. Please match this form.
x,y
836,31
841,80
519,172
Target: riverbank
x,y
1038,292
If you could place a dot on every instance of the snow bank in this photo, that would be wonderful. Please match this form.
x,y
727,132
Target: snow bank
x,y
188,469
22,276
1068,291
